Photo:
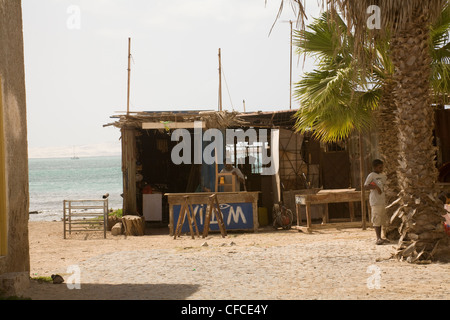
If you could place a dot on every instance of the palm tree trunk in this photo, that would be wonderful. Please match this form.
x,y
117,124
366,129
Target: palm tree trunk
x,y
421,229
389,150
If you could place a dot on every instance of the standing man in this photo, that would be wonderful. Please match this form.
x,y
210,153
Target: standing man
x,y
236,174
375,183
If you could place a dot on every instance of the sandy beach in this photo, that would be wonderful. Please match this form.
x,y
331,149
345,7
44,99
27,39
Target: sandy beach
x,y
269,264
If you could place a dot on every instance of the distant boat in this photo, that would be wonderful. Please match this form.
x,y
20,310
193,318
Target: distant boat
x,y
74,156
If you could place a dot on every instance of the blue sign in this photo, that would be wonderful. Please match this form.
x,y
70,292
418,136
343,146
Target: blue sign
x,y
236,216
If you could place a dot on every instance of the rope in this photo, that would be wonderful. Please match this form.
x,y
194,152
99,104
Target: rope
x,y
226,84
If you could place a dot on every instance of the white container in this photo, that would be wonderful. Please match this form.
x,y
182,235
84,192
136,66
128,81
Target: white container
x,y
152,206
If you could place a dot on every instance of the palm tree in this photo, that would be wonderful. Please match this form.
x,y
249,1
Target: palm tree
x,y
356,103
337,97
421,229
408,24
385,114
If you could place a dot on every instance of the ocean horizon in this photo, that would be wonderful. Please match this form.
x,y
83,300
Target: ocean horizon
x,y
112,148
53,180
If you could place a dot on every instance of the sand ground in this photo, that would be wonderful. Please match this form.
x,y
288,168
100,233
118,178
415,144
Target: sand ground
x,y
269,264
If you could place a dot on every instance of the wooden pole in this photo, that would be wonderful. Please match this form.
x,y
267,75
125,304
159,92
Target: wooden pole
x,y
290,82
220,81
361,177
3,181
243,101
129,71
129,171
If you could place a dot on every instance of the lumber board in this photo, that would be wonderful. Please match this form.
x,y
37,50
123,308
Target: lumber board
x,y
351,196
332,225
172,125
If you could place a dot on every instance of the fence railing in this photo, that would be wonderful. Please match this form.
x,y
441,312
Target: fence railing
x,y
76,213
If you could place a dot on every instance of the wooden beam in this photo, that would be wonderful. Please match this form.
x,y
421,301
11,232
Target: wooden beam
x,y
172,125
129,70
3,187
361,179
290,71
129,171
220,80
321,198
333,225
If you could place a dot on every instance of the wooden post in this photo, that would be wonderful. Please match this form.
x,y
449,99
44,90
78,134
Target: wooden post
x,y
214,208
361,174
105,216
290,82
191,208
129,70
70,217
220,81
352,211
326,217
209,211
64,218
188,213
129,171
219,216
308,214
3,182
180,222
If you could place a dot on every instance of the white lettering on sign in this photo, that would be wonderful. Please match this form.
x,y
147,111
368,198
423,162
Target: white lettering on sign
x,y
235,214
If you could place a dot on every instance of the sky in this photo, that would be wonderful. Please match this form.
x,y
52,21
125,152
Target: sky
x,y
76,59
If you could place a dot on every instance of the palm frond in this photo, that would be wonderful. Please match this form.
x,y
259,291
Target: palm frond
x,y
440,53
330,105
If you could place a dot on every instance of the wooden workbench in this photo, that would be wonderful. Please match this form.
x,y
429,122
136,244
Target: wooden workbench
x,y
240,210
324,197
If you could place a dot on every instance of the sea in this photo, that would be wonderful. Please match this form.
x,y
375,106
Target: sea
x,y
53,180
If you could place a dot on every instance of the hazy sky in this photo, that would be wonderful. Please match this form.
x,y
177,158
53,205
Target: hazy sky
x,y
76,63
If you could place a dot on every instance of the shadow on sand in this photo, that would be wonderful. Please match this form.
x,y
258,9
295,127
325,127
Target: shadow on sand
x,y
89,291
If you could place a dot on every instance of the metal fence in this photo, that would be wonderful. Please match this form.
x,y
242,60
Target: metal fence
x,y
85,215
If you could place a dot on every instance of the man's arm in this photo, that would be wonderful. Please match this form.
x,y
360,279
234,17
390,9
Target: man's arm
x,y
371,185
239,174
369,179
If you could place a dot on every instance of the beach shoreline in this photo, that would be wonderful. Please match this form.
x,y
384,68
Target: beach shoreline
x,y
269,264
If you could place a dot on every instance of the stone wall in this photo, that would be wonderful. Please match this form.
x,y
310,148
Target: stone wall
x,y
15,265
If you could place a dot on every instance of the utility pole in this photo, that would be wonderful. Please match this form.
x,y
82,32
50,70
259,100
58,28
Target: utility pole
x,y
243,101
129,70
290,82
220,81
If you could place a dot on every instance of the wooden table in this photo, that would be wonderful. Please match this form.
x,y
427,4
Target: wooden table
x,y
239,209
326,197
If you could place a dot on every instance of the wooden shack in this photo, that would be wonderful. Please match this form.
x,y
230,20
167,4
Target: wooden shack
x,y
150,177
